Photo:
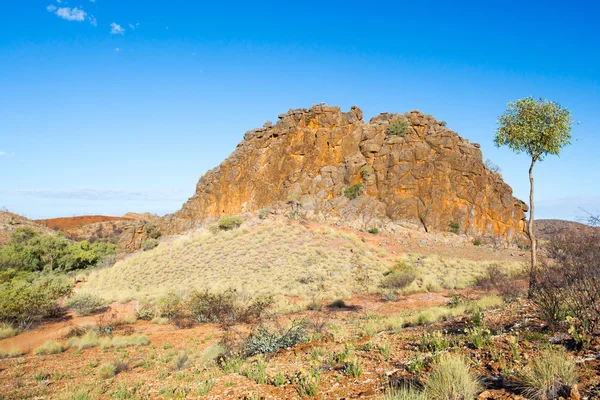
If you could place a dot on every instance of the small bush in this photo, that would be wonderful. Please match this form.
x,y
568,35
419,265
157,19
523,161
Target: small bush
x,y
88,340
398,128
492,166
339,303
149,244
107,370
257,371
454,227
373,231
263,213
399,277
354,191
230,222
85,304
123,341
51,347
14,352
451,378
263,340
550,376
477,242
7,330
353,368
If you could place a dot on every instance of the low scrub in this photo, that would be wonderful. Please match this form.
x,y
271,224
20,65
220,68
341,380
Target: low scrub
x,y
7,331
398,128
570,283
27,298
85,304
399,277
123,341
451,378
550,376
230,222
86,341
354,191
264,340
51,347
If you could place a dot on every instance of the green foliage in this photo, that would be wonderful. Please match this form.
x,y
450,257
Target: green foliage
x,y
149,244
398,128
550,376
51,347
535,126
451,378
229,222
257,371
454,227
7,330
263,340
32,251
85,304
374,230
354,191
353,368
107,370
407,393
399,277
26,298
434,342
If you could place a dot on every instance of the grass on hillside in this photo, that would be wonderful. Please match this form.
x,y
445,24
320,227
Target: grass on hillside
x,y
271,258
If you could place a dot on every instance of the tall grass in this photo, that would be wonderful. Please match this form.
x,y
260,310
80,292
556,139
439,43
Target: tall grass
x,y
550,375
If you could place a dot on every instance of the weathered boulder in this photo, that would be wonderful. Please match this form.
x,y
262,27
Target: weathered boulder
x,y
425,178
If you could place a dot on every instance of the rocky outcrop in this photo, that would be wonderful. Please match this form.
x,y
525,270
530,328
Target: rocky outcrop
x,y
425,178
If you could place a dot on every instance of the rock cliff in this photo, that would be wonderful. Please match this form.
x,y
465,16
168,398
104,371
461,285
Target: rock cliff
x,y
424,178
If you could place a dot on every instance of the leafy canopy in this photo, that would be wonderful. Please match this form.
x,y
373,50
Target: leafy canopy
x,y
535,126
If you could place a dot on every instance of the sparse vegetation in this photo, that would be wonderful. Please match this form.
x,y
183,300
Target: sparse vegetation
x,y
85,303
50,347
398,127
354,191
399,277
550,376
229,222
451,378
149,244
454,227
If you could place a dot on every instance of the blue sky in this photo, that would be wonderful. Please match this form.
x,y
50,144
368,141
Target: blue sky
x,y
112,106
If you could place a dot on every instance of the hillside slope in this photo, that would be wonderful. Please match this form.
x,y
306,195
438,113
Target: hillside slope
x,y
10,221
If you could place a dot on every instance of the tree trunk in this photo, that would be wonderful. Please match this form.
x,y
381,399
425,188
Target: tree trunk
x,y
531,232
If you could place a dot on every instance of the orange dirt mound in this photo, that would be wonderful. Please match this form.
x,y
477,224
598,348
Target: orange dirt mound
x,y
66,223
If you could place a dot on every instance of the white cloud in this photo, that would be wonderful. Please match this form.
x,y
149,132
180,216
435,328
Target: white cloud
x,y
92,1
116,29
71,14
134,27
2,153
59,1
92,20
51,8
117,49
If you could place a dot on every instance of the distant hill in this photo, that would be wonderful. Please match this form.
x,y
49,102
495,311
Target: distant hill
x,y
546,229
10,221
88,226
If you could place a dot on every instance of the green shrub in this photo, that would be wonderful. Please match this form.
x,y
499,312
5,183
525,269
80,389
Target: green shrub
x,y
107,370
353,368
477,242
32,251
451,378
257,371
229,222
86,341
398,128
354,191
25,299
263,340
225,307
51,347
399,277
7,331
454,227
550,376
85,304
373,231
339,303
149,244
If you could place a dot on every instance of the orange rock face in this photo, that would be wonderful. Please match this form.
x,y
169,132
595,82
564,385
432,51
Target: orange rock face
x,y
424,178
